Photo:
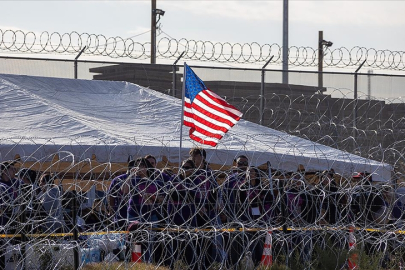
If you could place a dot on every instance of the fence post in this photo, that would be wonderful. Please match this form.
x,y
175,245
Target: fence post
x,y
23,234
355,105
262,91
77,57
75,233
174,74
283,206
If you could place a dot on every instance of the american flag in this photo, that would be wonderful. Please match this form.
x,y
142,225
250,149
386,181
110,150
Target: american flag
x,y
207,114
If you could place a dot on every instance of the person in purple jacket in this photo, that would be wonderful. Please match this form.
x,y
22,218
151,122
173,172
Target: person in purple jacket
x,y
117,200
237,176
155,173
146,196
146,205
252,194
181,207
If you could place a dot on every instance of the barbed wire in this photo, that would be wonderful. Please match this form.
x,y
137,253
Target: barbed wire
x,y
197,217
198,50
308,213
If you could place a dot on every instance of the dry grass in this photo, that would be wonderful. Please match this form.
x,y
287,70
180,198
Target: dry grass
x,y
122,266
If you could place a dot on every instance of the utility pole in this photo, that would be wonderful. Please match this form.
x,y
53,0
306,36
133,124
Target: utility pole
x,y
320,60
321,43
153,34
285,41
155,12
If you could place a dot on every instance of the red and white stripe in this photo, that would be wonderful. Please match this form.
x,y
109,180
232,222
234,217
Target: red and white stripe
x,y
209,117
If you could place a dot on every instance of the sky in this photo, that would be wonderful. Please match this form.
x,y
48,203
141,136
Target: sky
x,y
371,24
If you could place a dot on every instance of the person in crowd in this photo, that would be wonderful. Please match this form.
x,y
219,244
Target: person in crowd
x,y
242,163
367,200
155,173
205,195
181,206
195,200
254,200
303,199
236,177
27,176
117,200
398,210
50,197
71,200
181,211
28,184
97,218
254,193
294,200
11,186
207,198
127,212
27,201
5,215
147,205
5,206
152,160
330,199
198,155
146,194
303,210
7,177
381,206
311,198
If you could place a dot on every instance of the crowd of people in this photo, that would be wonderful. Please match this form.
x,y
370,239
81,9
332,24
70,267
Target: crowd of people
x,y
195,196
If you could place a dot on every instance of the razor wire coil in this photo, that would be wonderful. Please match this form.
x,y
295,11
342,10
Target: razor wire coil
x,y
167,243
237,241
170,48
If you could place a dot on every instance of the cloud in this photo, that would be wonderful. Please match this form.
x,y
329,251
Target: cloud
x,y
380,13
243,10
139,33
388,13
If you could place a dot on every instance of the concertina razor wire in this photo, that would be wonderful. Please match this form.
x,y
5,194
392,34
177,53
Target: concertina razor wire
x,y
186,218
190,218
182,217
196,50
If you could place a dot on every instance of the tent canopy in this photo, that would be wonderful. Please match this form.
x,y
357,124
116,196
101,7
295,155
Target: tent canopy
x,y
41,116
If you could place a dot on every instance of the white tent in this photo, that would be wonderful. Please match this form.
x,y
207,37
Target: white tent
x,y
40,116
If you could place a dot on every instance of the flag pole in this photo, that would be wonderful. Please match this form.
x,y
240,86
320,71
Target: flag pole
x,y
183,94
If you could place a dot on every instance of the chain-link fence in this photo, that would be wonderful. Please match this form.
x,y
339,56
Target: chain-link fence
x,y
64,213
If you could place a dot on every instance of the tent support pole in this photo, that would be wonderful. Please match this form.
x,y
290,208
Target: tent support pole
x,y
183,94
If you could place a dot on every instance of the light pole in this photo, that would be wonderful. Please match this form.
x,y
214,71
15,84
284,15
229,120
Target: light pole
x,y
285,41
155,12
321,43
